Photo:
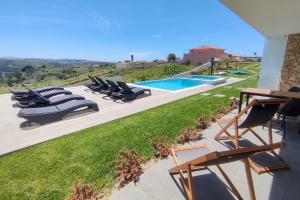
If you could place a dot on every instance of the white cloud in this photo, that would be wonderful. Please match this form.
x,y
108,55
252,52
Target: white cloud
x,y
99,19
90,18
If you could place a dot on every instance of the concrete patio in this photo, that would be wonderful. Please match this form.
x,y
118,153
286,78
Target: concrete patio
x,y
14,135
156,183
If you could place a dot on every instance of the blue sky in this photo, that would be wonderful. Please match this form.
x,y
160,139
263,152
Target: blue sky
x,y
110,30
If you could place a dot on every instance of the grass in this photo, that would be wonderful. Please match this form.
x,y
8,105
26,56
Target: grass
x,y
48,170
250,69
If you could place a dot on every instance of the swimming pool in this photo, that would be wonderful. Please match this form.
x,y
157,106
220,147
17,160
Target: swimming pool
x,y
171,83
179,83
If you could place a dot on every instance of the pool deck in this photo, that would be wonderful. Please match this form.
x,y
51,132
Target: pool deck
x,y
156,183
14,136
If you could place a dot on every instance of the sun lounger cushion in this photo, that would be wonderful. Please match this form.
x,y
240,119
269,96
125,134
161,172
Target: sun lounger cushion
x,y
57,111
51,101
46,94
43,89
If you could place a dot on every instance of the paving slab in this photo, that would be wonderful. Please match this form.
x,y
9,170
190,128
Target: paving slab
x,y
14,136
157,184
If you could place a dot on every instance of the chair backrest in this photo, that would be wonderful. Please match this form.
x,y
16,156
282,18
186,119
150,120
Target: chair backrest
x,y
260,114
112,84
101,81
292,108
124,87
294,89
34,93
93,80
262,111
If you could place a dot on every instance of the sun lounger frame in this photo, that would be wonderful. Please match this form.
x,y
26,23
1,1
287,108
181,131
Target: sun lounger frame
x,y
237,136
217,158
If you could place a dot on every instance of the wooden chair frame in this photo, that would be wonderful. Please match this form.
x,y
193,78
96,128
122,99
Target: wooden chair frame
x,y
235,139
217,158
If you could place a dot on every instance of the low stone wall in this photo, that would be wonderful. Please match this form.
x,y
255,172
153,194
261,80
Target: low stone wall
x,y
290,73
197,69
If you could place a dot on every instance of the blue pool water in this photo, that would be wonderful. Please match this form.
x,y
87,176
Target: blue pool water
x,y
172,83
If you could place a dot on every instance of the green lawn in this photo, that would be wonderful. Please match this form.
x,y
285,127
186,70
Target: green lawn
x,y
250,69
48,170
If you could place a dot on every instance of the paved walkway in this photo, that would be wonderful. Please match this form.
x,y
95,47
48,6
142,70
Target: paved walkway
x,y
157,184
14,136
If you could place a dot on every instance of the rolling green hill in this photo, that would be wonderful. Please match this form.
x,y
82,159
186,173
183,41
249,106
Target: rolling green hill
x,y
15,64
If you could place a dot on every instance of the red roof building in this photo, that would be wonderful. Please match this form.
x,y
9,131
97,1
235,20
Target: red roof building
x,y
203,54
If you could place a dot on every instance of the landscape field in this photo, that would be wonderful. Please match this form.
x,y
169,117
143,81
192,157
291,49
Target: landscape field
x,y
39,73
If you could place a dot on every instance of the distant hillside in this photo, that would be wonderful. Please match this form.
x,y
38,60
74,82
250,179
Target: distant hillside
x,y
15,64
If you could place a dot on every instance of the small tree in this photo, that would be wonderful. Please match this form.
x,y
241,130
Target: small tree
x,y
18,77
171,57
9,81
28,70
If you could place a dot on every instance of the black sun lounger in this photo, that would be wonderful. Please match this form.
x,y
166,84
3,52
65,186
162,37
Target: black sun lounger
x,y
113,88
30,96
95,85
40,101
105,88
127,93
57,112
102,82
43,89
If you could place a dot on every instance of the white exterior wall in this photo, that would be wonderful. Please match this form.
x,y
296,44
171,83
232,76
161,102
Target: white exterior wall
x,y
272,62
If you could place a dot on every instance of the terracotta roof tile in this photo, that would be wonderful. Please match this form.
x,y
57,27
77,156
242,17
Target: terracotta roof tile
x,y
205,47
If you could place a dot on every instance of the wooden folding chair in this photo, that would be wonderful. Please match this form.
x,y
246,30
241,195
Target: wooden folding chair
x,y
262,112
217,158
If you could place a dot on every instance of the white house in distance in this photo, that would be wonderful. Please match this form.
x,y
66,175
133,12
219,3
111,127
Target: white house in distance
x,y
279,22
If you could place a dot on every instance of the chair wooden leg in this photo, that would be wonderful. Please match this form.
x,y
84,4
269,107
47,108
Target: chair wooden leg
x,y
249,179
270,132
283,125
224,129
244,132
260,169
233,188
241,101
236,134
190,183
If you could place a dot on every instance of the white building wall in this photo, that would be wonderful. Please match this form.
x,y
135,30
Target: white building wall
x,y
273,58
